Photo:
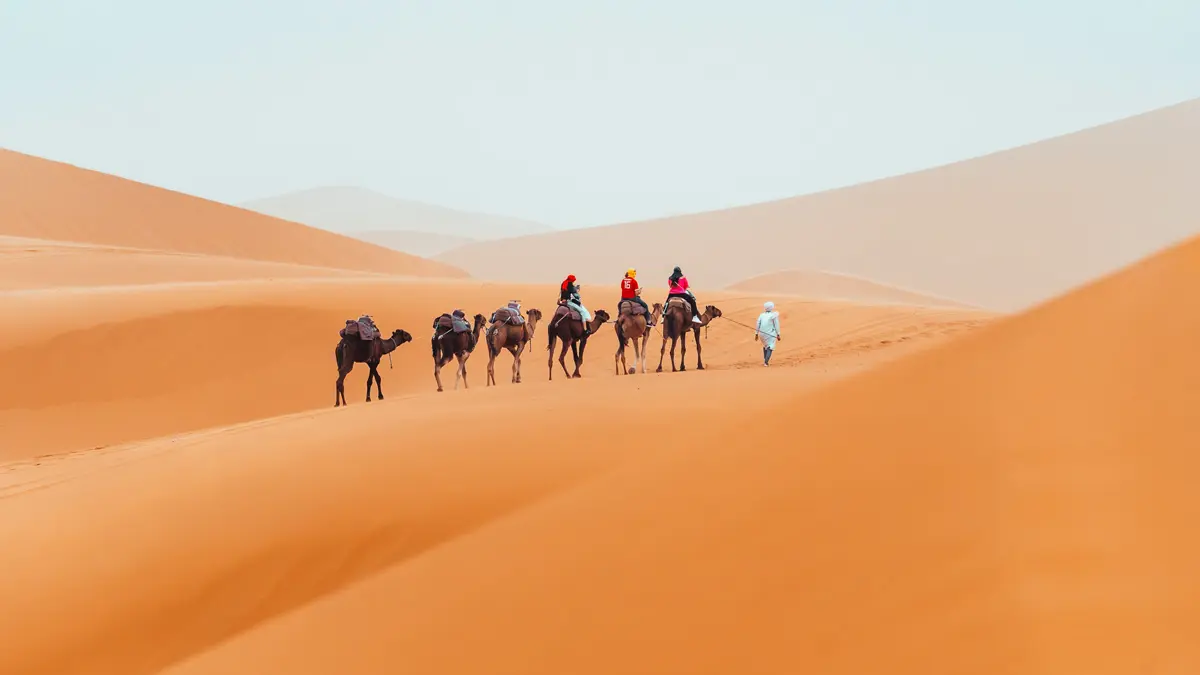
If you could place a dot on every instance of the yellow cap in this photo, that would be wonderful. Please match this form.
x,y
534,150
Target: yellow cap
x,y
631,272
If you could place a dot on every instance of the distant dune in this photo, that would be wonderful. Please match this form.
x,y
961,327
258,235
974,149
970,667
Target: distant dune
x,y
1000,231
424,244
50,200
817,285
412,227
28,264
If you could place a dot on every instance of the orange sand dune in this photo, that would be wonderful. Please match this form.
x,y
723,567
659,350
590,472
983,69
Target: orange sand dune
x,y
123,364
195,538
819,285
1000,231
50,200
1018,501
39,263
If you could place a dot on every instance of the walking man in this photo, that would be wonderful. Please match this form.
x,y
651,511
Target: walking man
x,y
768,328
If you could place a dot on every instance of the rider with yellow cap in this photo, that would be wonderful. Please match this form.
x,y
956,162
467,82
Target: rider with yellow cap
x,y
629,291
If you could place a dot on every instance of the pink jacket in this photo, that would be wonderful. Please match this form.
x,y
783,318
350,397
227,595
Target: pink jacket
x,y
680,286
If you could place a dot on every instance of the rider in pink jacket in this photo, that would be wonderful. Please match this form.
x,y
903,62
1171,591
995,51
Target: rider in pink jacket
x,y
678,285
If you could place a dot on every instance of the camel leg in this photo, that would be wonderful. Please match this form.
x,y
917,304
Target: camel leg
x,y
516,354
437,370
562,357
378,380
462,371
491,371
339,395
637,357
673,341
370,379
577,354
682,352
662,353
550,359
619,357
699,361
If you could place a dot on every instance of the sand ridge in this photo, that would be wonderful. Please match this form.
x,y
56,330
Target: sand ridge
x,y
44,199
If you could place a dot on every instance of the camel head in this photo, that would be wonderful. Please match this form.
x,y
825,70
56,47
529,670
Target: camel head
x,y
602,316
534,315
712,311
480,320
656,309
401,336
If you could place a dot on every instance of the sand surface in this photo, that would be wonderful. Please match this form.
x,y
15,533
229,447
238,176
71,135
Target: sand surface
x,y
1001,231
905,490
51,200
821,285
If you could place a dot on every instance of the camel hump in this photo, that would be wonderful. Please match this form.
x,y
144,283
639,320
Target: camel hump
x,y
630,307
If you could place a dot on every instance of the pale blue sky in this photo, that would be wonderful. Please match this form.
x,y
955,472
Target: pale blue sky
x,y
571,113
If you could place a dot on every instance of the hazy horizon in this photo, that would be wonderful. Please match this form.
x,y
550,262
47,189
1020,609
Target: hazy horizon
x,y
570,116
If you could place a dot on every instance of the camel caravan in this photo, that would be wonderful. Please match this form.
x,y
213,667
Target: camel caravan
x,y
455,338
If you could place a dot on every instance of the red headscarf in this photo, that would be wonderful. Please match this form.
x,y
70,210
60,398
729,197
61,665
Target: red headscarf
x,y
570,279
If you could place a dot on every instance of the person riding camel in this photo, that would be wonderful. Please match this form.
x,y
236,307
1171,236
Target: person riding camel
x,y
569,296
679,289
629,291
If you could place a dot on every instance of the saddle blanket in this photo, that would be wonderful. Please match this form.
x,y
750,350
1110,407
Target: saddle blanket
x,y
509,316
563,310
628,307
451,322
359,329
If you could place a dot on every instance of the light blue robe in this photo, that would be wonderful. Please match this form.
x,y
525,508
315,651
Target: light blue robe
x,y
768,328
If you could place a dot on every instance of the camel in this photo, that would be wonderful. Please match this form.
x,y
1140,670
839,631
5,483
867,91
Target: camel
x,y
633,327
447,345
573,336
677,320
503,335
364,351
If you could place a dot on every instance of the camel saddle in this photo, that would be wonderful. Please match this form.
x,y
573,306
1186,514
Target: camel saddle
x,y
681,304
630,307
447,322
508,315
360,329
564,311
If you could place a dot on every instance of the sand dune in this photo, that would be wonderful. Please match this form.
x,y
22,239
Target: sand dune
x,y
908,489
1000,231
819,285
351,209
424,244
38,263
50,200
176,357
241,524
1017,501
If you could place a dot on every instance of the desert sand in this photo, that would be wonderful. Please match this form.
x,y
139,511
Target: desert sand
x,y
1003,231
44,199
823,285
907,489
